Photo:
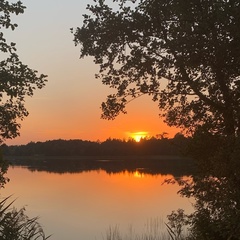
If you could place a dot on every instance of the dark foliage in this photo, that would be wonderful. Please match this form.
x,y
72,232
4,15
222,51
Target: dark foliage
x,y
110,147
149,156
184,54
16,225
17,80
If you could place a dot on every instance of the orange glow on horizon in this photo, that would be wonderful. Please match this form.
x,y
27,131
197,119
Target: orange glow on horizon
x,y
135,125
137,136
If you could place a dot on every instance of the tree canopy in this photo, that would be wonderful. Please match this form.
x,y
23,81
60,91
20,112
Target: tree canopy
x,y
17,80
185,54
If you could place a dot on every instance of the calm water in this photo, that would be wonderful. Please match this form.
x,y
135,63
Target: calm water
x,y
84,205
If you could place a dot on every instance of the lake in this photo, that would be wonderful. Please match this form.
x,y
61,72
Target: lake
x,y
84,205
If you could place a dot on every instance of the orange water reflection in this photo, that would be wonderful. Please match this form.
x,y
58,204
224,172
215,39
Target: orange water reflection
x,y
83,205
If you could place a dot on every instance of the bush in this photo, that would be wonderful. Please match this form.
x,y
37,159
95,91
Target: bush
x,y
16,225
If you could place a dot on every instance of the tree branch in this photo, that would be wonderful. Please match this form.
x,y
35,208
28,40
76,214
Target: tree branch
x,y
202,97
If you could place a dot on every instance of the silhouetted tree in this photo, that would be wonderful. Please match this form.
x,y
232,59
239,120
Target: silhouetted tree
x,y
185,54
17,80
162,135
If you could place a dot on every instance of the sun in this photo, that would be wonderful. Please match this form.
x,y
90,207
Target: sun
x,y
137,136
138,174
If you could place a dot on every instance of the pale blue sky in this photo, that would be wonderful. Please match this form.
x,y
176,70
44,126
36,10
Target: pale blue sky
x,y
69,106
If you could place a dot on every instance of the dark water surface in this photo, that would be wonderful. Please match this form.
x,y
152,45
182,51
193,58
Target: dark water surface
x,y
83,205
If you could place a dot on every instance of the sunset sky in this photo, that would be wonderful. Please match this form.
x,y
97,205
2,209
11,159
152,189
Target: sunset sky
x,y
69,106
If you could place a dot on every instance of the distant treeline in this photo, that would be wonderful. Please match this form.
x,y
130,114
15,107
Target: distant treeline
x,y
149,156
110,147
